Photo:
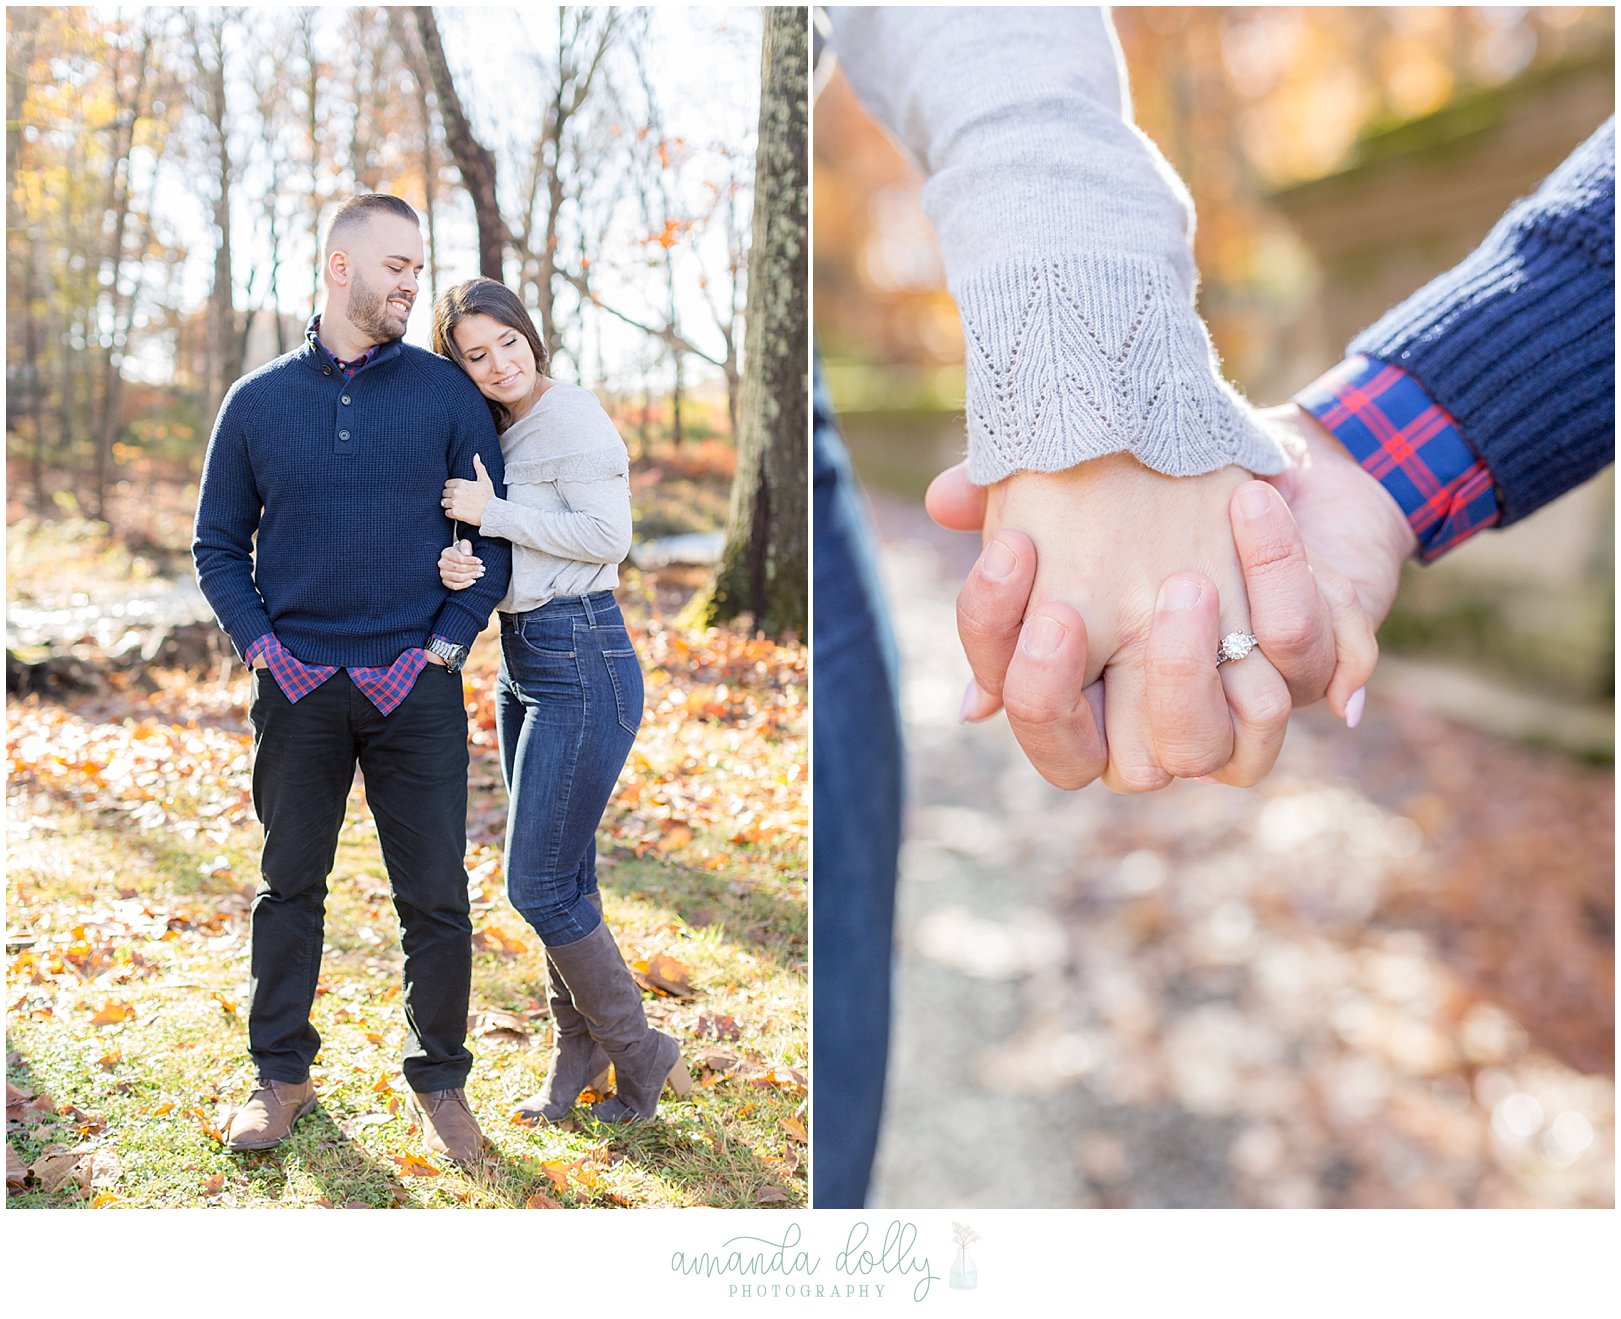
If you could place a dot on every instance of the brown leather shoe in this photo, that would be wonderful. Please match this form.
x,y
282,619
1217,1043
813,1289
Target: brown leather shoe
x,y
448,1125
264,1121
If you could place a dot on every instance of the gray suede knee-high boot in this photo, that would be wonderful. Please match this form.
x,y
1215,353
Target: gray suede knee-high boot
x,y
607,996
577,1063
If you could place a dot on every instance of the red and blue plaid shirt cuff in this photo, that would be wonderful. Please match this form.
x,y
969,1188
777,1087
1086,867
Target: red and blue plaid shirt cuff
x,y
386,688
1390,425
295,678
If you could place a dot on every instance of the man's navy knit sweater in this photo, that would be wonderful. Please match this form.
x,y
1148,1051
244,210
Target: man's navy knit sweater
x,y
1517,342
341,480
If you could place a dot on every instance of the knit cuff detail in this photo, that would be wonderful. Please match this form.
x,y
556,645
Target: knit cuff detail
x,y
1078,356
499,518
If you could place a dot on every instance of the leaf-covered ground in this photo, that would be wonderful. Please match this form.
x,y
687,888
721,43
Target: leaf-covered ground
x,y
132,856
1383,978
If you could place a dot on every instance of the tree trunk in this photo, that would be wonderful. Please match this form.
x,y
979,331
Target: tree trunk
x,y
118,189
227,343
644,429
678,389
305,19
22,33
473,159
412,47
765,564
36,383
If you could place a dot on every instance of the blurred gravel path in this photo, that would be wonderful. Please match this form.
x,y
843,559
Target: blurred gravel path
x,y
1383,978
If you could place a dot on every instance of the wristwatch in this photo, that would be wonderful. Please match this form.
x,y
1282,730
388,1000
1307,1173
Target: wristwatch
x,y
453,655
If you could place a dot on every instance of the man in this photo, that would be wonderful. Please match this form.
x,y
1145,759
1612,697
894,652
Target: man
x,y
335,457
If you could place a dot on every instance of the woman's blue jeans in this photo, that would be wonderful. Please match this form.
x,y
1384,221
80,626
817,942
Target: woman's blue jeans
x,y
857,801
567,705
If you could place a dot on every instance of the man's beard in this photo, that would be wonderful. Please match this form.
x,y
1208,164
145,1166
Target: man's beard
x,y
369,311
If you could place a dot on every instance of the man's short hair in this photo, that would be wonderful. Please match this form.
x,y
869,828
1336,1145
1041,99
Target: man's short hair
x,y
360,211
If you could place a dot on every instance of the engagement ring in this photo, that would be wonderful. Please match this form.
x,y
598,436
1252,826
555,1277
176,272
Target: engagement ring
x,y
1234,646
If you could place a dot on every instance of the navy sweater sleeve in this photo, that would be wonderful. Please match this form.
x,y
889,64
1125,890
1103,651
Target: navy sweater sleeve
x,y
463,614
1517,342
228,507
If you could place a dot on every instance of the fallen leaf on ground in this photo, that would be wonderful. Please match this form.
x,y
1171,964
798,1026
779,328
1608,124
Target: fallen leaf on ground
x,y
412,1165
16,1169
108,1061
795,1128
722,1028
86,1124
349,1126
664,975
772,1195
493,939
112,1014
229,1004
541,1201
212,1186
84,1165
507,1026
206,1123
783,1078
27,1108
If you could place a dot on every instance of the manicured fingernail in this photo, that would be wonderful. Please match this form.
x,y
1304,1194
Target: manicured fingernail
x,y
1179,595
1354,707
1042,636
997,561
1255,501
970,703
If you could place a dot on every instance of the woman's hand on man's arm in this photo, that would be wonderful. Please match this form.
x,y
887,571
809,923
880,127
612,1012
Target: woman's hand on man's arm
x,y
459,567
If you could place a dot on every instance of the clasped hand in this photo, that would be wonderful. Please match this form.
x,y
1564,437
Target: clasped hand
x,y
1095,610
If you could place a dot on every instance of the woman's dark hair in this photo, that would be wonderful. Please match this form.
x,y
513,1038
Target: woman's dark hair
x,y
484,297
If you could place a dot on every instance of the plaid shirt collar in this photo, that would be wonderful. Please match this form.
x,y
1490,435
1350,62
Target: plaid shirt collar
x,y
312,336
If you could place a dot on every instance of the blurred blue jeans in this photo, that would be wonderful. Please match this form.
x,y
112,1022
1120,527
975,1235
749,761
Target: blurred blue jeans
x,y
567,707
857,801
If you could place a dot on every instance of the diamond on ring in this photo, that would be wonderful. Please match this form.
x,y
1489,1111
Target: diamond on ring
x,y
1234,646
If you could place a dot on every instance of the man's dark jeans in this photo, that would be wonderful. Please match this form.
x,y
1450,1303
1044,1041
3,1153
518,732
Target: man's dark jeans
x,y
414,762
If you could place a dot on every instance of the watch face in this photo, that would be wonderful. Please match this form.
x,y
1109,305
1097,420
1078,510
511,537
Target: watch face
x,y
453,655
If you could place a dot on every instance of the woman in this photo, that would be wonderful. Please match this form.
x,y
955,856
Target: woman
x,y
569,698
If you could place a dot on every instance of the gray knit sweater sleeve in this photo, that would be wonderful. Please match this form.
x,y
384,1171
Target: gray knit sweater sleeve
x,y
1066,236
